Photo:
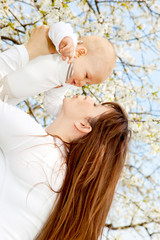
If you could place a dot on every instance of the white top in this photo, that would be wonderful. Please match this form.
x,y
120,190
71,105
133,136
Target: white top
x,y
44,74
28,160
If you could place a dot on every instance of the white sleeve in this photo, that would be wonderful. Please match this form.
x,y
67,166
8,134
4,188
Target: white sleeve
x,y
39,75
53,99
15,125
60,30
13,59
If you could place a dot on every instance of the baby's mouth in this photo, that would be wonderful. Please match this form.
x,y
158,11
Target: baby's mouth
x,y
73,82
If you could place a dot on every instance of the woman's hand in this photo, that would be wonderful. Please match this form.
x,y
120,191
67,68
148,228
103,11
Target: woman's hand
x,y
66,48
39,43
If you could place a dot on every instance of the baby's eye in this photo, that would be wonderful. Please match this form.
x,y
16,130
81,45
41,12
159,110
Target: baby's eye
x,y
95,104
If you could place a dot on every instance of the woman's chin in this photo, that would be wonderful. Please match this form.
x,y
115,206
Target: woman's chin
x,y
66,100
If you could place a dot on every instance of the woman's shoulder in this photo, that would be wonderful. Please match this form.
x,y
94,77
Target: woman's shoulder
x,y
16,126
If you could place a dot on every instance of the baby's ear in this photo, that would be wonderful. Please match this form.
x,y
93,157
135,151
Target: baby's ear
x,y
80,51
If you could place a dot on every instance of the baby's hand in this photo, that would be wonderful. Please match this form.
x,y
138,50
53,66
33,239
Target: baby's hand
x,y
66,48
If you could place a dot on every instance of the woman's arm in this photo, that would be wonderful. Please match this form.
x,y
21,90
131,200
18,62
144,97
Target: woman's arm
x,y
13,59
16,86
14,123
53,99
19,55
40,74
40,43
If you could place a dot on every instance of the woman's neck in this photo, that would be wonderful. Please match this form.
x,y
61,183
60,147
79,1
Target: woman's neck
x,y
61,128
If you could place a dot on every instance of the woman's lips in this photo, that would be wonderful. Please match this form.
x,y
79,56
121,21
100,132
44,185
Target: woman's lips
x,y
75,96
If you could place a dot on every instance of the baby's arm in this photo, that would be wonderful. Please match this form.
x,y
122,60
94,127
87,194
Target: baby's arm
x,y
64,40
53,99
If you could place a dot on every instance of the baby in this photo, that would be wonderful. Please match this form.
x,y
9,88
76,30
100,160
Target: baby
x,y
91,61
93,58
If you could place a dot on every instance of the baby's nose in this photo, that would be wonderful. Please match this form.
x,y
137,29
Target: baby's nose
x,y
79,83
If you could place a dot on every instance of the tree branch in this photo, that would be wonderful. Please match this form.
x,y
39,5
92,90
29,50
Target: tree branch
x,y
10,39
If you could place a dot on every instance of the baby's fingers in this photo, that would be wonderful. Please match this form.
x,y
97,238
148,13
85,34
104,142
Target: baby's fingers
x,y
66,48
70,59
64,58
67,53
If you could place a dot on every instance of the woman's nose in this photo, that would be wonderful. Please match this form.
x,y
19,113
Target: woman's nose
x,y
89,99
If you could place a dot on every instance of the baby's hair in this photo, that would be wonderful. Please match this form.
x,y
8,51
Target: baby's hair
x,y
113,48
115,54
100,46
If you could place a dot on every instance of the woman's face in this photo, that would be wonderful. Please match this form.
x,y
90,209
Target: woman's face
x,y
77,107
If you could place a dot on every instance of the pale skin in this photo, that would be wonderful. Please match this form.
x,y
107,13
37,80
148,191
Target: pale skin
x,y
39,43
72,122
77,110
66,48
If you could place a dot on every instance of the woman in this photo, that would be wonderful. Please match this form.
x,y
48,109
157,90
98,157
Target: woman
x,y
59,183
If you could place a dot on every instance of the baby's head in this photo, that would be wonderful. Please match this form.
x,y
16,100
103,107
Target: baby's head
x,y
94,61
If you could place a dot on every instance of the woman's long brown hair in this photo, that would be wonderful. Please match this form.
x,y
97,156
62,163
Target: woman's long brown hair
x,y
94,165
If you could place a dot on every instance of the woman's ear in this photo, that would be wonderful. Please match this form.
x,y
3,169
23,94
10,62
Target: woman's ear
x,y
80,51
83,127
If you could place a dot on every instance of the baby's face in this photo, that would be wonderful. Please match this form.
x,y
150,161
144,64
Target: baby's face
x,y
94,66
87,70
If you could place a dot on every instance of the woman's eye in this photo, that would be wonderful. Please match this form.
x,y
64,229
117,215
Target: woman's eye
x,y
95,104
